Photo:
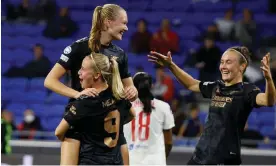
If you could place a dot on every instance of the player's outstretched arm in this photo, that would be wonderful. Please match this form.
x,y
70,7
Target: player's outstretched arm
x,y
61,129
184,78
269,97
53,83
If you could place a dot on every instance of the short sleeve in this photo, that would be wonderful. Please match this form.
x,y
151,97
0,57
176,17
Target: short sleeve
x,y
68,56
206,88
124,67
251,93
169,119
75,113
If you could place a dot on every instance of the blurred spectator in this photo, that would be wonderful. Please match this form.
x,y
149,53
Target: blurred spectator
x,y
163,88
191,127
165,39
179,118
45,10
24,9
31,123
38,67
7,126
207,60
140,40
212,32
245,29
22,12
62,26
226,25
175,105
253,136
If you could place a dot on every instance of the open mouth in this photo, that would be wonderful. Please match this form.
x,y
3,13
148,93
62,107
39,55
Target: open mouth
x,y
122,32
81,80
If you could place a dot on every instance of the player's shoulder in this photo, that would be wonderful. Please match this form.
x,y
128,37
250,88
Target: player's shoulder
x,y
250,87
80,44
159,104
85,100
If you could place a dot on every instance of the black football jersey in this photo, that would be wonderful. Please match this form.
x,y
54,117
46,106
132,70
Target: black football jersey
x,y
72,56
97,122
228,112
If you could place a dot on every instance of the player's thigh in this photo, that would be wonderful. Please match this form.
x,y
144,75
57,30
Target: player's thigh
x,y
125,155
69,152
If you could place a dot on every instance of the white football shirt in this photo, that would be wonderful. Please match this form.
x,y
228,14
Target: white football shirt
x,y
144,134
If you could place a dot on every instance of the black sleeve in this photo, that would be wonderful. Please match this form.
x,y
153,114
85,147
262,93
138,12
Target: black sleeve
x,y
68,56
124,67
251,93
206,88
75,112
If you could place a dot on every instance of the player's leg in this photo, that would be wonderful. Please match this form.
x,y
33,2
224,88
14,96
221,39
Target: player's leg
x,y
69,154
125,155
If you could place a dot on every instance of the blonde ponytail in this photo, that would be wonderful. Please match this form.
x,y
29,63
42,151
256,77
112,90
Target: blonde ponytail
x,y
95,33
116,83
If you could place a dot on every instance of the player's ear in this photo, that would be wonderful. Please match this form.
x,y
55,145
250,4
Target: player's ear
x,y
107,23
97,76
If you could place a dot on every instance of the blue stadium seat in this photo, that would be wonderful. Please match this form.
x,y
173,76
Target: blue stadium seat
x,y
192,142
51,124
39,110
34,97
5,67
265,146
18,120
55,111
37,83
17,108
268,131
203,116
207,6
55,98
188,32
267,118
253,119
17,83
180,142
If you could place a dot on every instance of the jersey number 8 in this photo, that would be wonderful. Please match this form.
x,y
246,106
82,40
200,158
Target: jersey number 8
x,y
111,125
142,125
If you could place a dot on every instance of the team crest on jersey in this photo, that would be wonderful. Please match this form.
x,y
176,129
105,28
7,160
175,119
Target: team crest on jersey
x,y
67,50
108,102
73,110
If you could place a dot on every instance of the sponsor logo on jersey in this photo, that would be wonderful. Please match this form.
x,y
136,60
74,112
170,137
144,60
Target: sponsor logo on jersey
x,y
64,58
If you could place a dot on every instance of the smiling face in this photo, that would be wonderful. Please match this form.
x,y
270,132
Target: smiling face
x,y
117,27
230,67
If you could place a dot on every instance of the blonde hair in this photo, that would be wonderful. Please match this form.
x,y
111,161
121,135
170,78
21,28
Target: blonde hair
x,y
109,69
108,11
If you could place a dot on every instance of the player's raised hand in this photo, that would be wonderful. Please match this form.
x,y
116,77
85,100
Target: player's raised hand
x,y
89,92
160,59
266,66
